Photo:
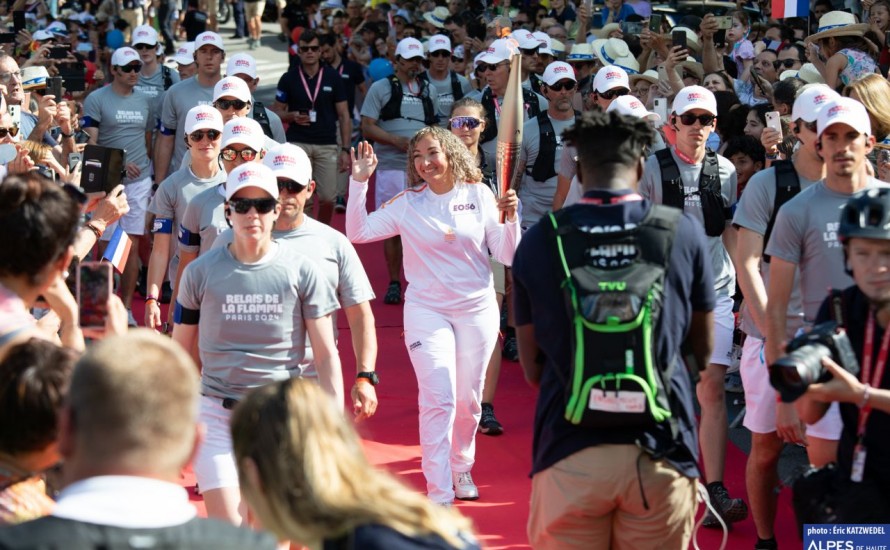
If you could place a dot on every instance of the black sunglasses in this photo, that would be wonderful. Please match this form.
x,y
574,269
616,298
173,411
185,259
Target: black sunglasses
x,y
243,206
456,59
231,154
225,104
289,185
613,93
12,131
309,48
563,85
689,119
198,135
144,47
787,63
130,68
467,122
529,51
440,53
483,67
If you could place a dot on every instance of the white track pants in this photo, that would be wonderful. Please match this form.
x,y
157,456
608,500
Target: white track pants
x,y
449,352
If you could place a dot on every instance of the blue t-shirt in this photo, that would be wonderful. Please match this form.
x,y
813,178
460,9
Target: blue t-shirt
x,y
539,300
298,97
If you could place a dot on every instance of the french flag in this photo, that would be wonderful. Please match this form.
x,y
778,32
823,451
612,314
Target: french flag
x,y
118,249
790,8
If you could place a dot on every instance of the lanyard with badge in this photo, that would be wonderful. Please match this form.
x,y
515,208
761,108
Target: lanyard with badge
x,y
313,115
859,450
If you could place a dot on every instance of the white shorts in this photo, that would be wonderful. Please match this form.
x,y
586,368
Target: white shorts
x,y
724,324
760,397
215,462
133,222
389,184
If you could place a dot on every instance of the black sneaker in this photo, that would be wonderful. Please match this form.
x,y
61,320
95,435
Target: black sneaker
x,y
510,351
340,204
393,293
766,544
488,424
732,510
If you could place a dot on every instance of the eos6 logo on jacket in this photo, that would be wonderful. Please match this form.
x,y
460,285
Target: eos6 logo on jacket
x,y
463,207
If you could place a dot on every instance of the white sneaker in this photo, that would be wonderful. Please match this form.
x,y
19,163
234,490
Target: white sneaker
x,y
464,488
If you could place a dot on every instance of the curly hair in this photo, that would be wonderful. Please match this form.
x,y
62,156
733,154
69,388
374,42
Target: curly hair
x,y
462,165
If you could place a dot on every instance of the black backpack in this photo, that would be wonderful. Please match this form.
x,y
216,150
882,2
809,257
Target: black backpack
x,y
393,107
529,98
714,210
546,160
787,186
260,115
614,286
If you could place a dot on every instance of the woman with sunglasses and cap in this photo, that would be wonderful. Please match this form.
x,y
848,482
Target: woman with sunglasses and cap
x,y
448,223
249,307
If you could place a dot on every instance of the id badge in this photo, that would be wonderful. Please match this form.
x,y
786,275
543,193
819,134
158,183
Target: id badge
x,y
858,463
313,115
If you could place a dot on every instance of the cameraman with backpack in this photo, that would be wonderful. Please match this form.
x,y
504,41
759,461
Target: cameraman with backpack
x,y
863,456
611,468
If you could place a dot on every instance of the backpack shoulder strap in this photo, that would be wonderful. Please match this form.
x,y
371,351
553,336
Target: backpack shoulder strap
x,y
430,117
787,186
543,169
260,115
491,125
672,193
168,78
393,107
531,99
457,91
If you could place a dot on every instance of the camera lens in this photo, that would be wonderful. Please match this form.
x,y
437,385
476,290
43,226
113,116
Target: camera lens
x,y
791,375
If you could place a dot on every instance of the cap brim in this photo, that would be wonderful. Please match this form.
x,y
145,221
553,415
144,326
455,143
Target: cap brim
x,y
183,60
855,29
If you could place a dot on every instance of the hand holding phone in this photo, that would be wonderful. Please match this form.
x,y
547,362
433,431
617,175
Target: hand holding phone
x,y
774,121
678,38
93,290
655,22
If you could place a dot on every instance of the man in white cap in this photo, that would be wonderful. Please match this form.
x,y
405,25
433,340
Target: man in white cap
x,y
203,128
332,252
155,78
231,97
119,116
248,308
450,85
185,60
609,83
804,238
703,183
243,65
755,218
394,110
542,143
528,48
312,99
209,56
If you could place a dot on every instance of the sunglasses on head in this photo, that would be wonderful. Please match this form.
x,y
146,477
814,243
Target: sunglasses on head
x,y
787,63
243,206
12,131
231,154
198,135
689,119
309,48
563,85
131,68
467,122
484,67
144,47
225,104
440,53
613,93
289,185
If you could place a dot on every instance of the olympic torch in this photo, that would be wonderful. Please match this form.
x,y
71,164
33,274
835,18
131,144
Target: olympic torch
x,y
510,129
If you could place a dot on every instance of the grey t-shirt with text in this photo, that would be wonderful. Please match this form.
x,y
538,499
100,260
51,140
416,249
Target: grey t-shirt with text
x,y
122,122
153,86
251,330
446,94
650,187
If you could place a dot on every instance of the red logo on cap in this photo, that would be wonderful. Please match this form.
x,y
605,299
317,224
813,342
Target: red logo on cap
x,y
613,75
560,69
207,38
819,99
228,86
242,63
283,159
838,109
635,104
203,116
246,174
413,47
695,96
240,130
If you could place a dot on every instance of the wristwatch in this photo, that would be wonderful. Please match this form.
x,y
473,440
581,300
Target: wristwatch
x,y
370,376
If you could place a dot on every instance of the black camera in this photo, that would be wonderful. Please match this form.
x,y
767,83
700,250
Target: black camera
x,y
792,374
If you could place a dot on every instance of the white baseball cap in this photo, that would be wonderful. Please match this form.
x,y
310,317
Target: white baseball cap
x,y
525,39
631,106
251,174
144,34
231,86
124,56
544,43
409,48
844,110
458,52
557,71
811,100
439,42
57,28
499,50
695,97
241,63
610,77
185,54
211,38
40,36
290,161
244,131
203,117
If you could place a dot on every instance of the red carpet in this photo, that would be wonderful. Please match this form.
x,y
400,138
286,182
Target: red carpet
x,y
502,463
